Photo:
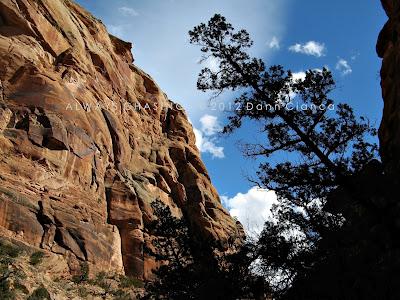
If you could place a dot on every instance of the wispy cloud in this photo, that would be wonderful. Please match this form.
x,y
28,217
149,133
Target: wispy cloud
x,y
211,63
206,139
354,57
252,208
210,125
343,67
310,48
128,11
116,30
274,43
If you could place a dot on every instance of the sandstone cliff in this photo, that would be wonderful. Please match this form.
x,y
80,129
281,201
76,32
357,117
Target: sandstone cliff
x,y
88,141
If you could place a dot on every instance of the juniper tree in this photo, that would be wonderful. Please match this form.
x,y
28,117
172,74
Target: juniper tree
x,y
324,144
191,270
172,248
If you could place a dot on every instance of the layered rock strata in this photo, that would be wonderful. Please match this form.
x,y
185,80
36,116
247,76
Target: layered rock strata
x,y
88,140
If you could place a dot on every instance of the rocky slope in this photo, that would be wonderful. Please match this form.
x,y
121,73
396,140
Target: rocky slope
x,y
88,141
33,274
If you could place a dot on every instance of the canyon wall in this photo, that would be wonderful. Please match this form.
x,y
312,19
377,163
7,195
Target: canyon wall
x,y
388,48
88,140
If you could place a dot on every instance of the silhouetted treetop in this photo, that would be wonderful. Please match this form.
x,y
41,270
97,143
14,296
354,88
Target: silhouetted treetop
x,y
323,142
297,114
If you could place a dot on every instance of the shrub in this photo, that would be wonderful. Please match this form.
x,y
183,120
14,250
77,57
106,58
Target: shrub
x,y
83,274
36,258
100,277
83,292
101,281
9,250
41,293
121,295
127,282
19,286
6,292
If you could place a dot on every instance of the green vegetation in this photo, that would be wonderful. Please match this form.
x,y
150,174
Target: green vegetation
x,y
114,285
19,286
41,293
36,258
8,250
193,270
100,277
102,281
128,282
83,274
121,295
6,292
83,292
8,253
331,238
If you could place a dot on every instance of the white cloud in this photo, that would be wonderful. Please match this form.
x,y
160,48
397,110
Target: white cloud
x,y
176,55
209,146
210,125
116,30
302,75
299,75
199,137
343,66
310,48
252,209
205,137
128,11
274,43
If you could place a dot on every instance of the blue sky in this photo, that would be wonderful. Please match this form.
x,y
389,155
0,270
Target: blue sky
x,y
298,34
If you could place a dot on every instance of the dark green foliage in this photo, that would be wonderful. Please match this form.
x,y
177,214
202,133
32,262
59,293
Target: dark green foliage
x,y
36,258
193,271
83,273
41,293
19,286
8,250
5,290
128,282
12,278
173,245
359,261
121,295
83,292
105,282
100,277
8,253
174,240
325,147
102,281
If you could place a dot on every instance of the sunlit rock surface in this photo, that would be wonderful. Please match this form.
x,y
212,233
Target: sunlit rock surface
x,y
88,141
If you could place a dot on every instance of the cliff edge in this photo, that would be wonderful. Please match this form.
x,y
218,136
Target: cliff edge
x,y
88,141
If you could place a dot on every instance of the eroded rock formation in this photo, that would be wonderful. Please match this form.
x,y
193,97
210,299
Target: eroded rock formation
x,y
88,141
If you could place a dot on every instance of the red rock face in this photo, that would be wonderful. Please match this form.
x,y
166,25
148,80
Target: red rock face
x,y
388,48
88,141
